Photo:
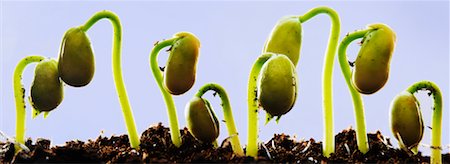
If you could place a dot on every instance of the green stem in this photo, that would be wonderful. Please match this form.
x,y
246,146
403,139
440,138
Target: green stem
x,y
436,122
171,110
215,144
227,113
361,136
19,95
327,74
117,71
252,144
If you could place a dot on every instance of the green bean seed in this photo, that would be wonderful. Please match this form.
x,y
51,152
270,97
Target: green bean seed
x,y
76,58
286,38
179,74
406,120
372,64
277,85
46,90
201,120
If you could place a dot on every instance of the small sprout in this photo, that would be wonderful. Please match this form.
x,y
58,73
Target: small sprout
x,y
201,121
180,71
372,64
286,38
76,58
276,93
371,70
273,86
47,90
406,121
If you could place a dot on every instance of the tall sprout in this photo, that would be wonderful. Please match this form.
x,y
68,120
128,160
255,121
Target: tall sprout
x,y
285,39
47,91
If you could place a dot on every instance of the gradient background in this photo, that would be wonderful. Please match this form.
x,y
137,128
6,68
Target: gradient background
x,y
232,35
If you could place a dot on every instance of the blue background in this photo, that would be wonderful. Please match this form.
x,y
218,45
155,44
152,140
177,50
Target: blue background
x,y
232,35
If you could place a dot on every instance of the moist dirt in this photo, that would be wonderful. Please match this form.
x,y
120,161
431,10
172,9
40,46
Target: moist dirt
x,y
156,146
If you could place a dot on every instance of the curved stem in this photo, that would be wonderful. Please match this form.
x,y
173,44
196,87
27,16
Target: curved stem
x,y
19,95
252,138
215,144
117,71
227,113
436,122
361,136
171,110
327,74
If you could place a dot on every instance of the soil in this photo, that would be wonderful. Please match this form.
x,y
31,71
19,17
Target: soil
x,y
156,146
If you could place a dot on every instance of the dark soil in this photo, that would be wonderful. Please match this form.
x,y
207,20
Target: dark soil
x,y
156,146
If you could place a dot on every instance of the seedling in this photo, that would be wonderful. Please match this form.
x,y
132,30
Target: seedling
x,y
371,70
179,74
202,121
285,39
273,86
407,121
46,91
77,64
